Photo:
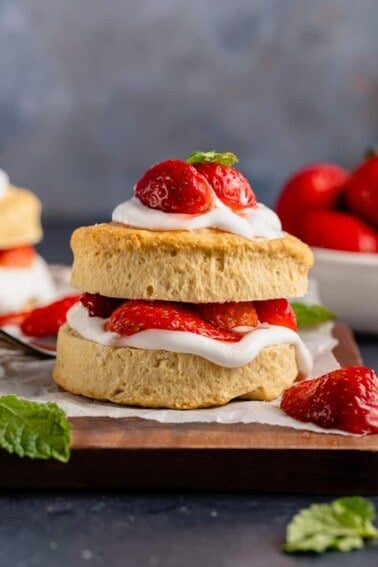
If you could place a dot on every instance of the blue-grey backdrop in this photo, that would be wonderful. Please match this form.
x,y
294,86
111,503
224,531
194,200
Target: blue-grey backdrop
x,y
93,91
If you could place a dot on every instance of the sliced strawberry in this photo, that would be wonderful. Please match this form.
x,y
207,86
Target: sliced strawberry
x,y
19,257
135,316
361,190
343,399
276,312
338,231
13,318
45,321
229,185
229,315
174,186
100,305
314,187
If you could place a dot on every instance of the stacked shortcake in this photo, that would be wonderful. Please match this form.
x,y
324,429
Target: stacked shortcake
x,y
184,294
25,279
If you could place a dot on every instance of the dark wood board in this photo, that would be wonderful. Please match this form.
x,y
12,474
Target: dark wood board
x,y
137,454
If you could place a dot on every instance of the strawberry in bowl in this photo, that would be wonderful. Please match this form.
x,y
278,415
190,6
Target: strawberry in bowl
x,y
335,212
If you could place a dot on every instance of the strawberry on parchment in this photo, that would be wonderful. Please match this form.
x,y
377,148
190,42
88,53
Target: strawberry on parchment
x,y
346,399
174,186
134,316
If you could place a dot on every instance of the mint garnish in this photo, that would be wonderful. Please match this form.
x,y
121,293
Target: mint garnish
x,y
225,158
34,430
309,315
343,525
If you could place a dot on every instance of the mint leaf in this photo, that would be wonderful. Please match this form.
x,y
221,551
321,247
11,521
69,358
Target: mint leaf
x,y
225,158
35,430
309,315
342,525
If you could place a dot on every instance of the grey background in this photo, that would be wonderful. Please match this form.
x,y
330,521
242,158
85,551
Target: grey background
x,y
94,91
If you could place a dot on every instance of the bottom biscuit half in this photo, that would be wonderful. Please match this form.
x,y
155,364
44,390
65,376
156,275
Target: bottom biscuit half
x,y
161,379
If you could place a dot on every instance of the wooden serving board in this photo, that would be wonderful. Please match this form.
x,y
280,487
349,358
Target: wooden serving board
x,y
144,454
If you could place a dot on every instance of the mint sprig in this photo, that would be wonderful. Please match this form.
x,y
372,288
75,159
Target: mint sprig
x,y
310,315
225,158
343,525
34,430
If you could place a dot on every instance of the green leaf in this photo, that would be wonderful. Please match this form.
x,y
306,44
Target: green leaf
x,y
35,430
342,525
225,158
309,315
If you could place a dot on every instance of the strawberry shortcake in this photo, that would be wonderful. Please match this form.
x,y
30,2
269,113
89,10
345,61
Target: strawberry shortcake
x,y
25,280
184,294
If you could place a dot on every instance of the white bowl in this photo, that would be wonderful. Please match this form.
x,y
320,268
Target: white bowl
x,y
348,285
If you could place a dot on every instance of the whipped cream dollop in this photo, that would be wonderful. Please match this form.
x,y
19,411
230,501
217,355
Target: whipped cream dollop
x,y
19,286
230,355
249,223
4,183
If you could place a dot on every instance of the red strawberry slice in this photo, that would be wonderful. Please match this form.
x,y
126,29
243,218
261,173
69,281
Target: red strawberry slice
x,y
314,187
45,321
361,191
338,231
100,305
13,318
19,257
343,399
229,315
174,186
229,185
276,312
135,316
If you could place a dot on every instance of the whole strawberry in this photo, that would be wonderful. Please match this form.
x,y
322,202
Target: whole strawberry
x,y
315,187
45,321
346,399
135,316
338,231
174,186
361,191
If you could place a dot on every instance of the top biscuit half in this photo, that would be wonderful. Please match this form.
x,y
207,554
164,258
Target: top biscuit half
x,y
20,224
203,266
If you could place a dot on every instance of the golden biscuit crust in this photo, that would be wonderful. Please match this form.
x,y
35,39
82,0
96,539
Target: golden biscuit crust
x,y
198,267
163,379
20,224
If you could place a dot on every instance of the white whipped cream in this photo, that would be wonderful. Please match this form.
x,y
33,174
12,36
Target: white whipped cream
x,y
250,223
230,355
19,286
4,183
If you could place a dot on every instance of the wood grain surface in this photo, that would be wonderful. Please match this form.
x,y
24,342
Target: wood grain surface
x,y
144,454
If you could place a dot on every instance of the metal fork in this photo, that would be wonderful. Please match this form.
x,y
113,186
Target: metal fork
x,y
45,349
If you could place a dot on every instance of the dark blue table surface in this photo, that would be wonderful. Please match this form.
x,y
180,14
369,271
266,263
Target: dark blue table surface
x,y
178,530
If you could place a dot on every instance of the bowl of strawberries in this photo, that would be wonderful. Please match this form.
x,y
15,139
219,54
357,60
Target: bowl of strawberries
x,y
336,213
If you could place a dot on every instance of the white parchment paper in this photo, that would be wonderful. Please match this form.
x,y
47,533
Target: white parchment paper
x,y
30,377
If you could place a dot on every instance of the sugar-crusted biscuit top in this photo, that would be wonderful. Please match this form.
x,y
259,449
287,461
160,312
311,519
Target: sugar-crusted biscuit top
x,y
198,267
20,224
